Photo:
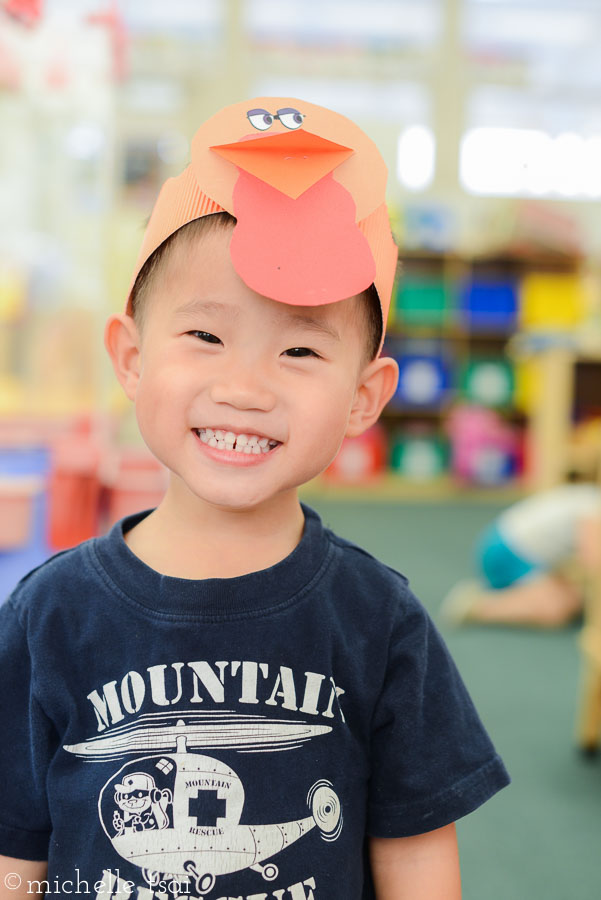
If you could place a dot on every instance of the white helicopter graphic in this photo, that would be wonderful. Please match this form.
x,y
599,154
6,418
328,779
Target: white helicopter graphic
x,y
177,817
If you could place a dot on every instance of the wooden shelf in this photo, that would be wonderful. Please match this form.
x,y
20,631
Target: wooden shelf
x,y
392,488
407,331
512,258
425,413
428,413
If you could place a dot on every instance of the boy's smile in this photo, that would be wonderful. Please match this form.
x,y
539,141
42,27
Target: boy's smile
x,y
244,447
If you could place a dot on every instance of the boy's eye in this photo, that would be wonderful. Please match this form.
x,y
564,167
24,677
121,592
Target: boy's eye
x,y
297,352
206,336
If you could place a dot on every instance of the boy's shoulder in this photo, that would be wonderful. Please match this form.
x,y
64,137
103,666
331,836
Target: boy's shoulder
x,y
358,558
58,577
361,574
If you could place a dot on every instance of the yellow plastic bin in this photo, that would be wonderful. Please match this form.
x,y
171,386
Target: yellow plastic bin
x,y
553,300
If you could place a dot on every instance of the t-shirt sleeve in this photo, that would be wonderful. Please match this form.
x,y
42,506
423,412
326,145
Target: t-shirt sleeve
x,y
432,760
25,747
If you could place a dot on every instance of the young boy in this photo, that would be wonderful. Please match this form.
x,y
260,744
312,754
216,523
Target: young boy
x,y
221,698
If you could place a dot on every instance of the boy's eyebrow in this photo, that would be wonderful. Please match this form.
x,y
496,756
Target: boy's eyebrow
x,y
214,306
204,306
309,324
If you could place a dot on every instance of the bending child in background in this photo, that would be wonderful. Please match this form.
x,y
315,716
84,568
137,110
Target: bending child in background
x,y
521,556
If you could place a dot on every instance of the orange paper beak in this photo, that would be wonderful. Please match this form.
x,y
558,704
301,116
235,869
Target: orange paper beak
x,y
290,162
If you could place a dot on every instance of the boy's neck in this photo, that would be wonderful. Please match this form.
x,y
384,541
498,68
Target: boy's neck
x,y
184,538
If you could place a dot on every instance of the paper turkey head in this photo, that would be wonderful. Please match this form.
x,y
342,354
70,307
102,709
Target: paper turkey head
x,y
307,188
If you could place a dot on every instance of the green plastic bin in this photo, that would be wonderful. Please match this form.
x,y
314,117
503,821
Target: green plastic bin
x,y
423,301
488,381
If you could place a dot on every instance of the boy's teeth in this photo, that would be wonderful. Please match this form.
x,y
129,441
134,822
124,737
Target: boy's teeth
x,y
241,443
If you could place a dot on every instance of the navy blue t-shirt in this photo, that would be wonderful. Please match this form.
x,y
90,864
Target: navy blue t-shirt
x,y
227,738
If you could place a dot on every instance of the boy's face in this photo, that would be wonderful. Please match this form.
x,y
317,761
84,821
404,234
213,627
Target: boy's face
x,y
213,354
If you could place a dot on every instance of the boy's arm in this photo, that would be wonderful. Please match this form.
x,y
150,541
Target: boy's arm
x,y
15,875
422,867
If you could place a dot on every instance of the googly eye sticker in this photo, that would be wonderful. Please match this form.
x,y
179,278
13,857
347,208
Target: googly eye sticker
x,y
262,119
290,117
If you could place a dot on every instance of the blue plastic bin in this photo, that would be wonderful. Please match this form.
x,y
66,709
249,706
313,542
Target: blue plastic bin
x,y
489,304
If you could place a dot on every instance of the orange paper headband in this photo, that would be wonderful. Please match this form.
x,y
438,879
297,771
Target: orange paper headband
x,y
307,188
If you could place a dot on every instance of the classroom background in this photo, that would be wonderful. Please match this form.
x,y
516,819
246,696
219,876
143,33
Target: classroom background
x,y
488,114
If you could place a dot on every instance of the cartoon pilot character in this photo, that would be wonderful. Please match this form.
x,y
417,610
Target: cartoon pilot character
x,y
143,804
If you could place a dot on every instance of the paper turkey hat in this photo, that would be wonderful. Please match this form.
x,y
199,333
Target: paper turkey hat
x,y
307,188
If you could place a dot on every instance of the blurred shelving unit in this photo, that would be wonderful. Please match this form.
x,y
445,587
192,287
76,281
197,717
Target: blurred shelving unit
x,y
452,317
470,416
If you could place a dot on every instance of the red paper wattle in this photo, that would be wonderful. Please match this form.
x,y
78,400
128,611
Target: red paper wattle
x,y
305,252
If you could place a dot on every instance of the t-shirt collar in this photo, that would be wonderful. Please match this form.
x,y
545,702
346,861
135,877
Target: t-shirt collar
x,y
213,598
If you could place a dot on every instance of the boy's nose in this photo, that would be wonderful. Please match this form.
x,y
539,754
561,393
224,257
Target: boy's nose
x,y
243,387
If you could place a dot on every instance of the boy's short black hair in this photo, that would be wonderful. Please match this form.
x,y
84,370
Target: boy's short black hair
x,y
219,221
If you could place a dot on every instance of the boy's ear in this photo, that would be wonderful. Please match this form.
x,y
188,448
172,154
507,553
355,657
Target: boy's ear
x,y
122,341
376,387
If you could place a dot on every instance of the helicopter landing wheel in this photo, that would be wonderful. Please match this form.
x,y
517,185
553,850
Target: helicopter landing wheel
x,y
269,872
326,809
202,883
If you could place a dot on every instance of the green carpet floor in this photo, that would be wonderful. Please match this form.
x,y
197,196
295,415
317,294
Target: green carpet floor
x,y
540,838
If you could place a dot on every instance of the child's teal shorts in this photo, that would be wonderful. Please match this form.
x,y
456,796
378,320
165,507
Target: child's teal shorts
x,y
498,563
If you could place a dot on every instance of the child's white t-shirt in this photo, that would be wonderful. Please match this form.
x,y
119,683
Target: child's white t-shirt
x,y
543,527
